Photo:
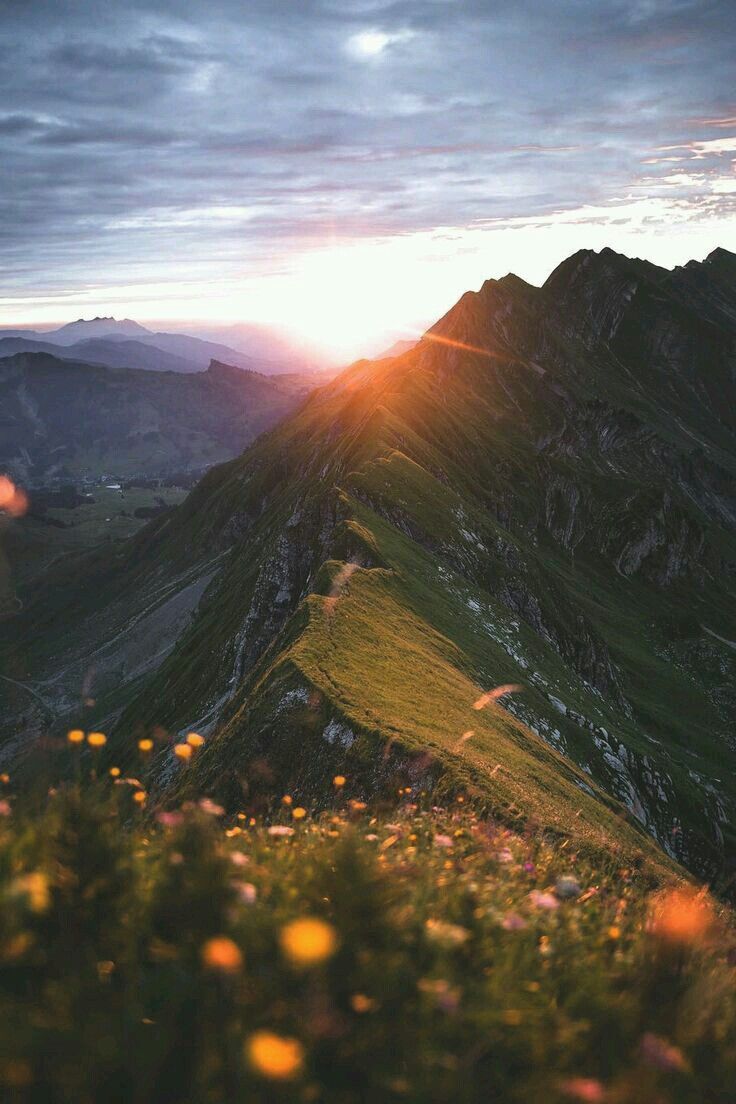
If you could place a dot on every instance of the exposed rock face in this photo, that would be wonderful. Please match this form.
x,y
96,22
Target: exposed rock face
x,y
541,492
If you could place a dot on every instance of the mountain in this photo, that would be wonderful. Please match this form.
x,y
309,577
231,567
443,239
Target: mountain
x,y
110,353
503,562
66,420
191,353
85,329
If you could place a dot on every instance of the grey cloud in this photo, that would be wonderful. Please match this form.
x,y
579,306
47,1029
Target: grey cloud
x,y
122,120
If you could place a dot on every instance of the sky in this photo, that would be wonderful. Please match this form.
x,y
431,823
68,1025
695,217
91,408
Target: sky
x,y
345,169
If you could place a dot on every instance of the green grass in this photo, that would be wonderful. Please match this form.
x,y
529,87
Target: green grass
x,y
456,968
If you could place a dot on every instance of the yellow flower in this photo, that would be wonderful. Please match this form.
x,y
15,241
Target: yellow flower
x,y
195,740
298,813
287,799
145,746
140,797
276,1057
308,942
75,736
183,752
114,772
339,780
221,953
97,739
614,932
4,778
35,887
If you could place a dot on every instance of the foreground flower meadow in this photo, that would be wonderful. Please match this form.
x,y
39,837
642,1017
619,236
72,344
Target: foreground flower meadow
x,y
415,954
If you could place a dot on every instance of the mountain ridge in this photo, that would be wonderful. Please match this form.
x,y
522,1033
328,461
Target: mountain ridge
x,y
541,492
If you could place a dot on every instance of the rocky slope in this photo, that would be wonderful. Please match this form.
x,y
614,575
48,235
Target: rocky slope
x,y
541,493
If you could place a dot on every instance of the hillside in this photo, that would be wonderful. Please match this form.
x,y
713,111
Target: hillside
x,y
540,494
67,420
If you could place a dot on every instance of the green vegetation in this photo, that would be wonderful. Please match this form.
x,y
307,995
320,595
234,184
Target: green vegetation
x,y
396,953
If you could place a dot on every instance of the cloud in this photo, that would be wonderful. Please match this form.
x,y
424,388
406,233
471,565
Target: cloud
x,y
229,138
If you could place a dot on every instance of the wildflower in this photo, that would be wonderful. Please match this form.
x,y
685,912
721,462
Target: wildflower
x,y
586,1089
96,739
169,820
75,736
543,900
140,797
567,887
114,772
247,892
280,830
447,935
339,781
660,1054
35,888
221,953
681,917
298,813
441,840
4,778
308,942
195,740
277,1057
505,855
614,932
496,693
5,809
513,922
287,799
360,1003
237,858
183,752
445,996
145,746
207,805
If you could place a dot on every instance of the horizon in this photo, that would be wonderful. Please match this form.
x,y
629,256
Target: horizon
x,y
342,175
330,357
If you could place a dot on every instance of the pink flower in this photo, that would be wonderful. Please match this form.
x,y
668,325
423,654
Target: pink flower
x,y
280,830
543,900
513,922
5,808
442,841
660,1054
208,806
169,820
247,892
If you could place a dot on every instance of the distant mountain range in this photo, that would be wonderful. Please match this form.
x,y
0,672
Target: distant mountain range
x,y
65,420
126,344
502,562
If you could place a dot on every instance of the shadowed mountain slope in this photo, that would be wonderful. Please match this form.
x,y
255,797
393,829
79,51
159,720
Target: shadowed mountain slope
x,y
541,492
67,419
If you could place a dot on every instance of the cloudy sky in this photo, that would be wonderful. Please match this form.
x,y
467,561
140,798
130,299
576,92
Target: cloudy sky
x,y
347,168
